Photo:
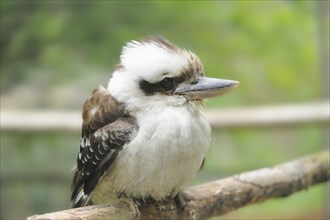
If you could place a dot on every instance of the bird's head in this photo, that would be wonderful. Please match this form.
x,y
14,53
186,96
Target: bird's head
x,y
155,72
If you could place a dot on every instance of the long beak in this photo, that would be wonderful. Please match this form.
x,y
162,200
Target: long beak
x,y
206,88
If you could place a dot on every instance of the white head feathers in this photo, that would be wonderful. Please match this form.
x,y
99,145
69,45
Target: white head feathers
x,y
153,57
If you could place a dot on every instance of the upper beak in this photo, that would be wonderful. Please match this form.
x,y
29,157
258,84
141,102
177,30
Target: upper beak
x,y
206,88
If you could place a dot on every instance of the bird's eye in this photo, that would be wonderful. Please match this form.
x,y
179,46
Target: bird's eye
x,y
168,83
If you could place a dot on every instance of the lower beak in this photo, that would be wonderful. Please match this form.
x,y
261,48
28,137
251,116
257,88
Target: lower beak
x,y
206,88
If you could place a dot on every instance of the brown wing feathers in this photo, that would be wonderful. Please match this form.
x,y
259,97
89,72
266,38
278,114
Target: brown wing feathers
x,y
106,129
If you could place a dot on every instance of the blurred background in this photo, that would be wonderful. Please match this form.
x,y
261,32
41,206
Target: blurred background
x,y
54,53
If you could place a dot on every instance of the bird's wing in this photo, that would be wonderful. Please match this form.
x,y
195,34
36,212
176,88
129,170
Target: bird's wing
x,y
106,129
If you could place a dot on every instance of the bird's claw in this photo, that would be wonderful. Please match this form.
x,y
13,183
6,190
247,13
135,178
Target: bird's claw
x,y
180,202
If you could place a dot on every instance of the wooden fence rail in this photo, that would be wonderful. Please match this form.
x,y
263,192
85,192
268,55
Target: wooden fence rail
x,y
15,120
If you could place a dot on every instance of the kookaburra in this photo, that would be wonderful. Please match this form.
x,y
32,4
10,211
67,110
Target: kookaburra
x,y
145,136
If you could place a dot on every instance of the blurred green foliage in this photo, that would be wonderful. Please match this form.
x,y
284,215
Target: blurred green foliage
x,y
54,53
57,47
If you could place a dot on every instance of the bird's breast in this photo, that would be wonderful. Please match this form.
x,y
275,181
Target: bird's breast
x,y
166,153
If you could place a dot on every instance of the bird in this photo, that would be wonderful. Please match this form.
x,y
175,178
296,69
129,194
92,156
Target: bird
x,y
145,136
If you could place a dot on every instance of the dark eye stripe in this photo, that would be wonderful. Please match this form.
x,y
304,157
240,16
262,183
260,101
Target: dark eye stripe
x,y
167,84
149,88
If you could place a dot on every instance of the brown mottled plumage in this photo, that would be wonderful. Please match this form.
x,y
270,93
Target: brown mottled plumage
x,y
106,128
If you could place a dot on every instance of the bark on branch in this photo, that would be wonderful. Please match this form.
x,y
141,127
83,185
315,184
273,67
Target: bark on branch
x,y
217,197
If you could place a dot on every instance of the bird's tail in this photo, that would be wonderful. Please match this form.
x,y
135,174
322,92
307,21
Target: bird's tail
x,y
81,200
78,197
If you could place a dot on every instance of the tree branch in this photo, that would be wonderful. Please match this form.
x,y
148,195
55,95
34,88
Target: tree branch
x,y
216,197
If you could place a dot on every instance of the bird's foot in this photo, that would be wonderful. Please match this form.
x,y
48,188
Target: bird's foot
x,y
180,202
134,203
